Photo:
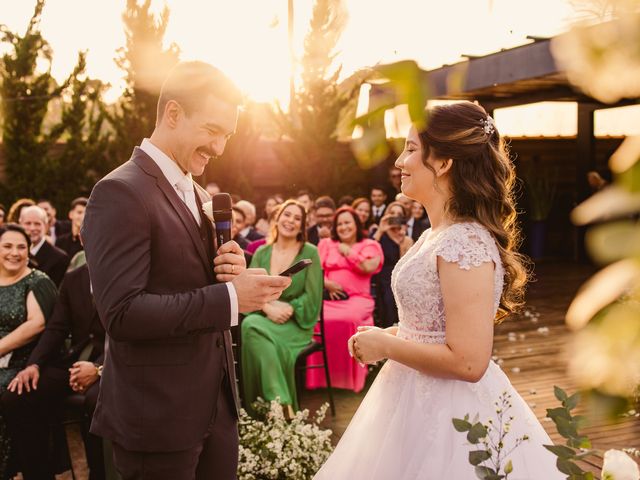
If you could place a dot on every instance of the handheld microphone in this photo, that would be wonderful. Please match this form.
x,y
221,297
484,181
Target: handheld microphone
x,y
221,206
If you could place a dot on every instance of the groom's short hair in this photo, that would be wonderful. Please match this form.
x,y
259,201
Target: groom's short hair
x,y
189,83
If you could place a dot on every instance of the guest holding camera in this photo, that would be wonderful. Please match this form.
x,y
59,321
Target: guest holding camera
x,y
349,260
393,238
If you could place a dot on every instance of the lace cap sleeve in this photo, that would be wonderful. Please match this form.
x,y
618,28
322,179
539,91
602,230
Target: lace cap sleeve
x,y
467,244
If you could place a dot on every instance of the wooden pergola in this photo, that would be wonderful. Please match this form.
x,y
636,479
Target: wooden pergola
x,y
519,76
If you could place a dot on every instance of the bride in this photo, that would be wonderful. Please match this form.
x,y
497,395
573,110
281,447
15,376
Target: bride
x,y
448,288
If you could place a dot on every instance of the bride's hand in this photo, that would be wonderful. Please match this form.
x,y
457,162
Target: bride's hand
x,y
368,345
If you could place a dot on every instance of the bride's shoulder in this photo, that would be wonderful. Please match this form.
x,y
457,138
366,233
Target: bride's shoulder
x,y
467,243
470,231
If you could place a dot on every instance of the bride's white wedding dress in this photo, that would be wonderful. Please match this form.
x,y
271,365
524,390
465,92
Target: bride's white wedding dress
x,y
403,428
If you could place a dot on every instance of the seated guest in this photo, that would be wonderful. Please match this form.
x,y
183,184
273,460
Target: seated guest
x,y
273,337
418,223
237,225
349,260
3,211
378,203
262,225
50,376
16,208
48,259
325,209
345,201
393,238
305,198
212,188
27,298
70,242
249,209
256,244
362,207
56,227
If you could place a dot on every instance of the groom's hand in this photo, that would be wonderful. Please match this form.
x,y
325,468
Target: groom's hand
x,y
230,262
255,288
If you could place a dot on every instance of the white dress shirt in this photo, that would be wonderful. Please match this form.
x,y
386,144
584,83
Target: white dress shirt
x,y
377,211
180,182
410,223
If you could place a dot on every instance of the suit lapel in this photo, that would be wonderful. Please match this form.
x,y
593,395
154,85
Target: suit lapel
x,y
203,197
147,164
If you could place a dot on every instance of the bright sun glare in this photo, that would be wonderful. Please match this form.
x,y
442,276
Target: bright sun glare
x,y
248,40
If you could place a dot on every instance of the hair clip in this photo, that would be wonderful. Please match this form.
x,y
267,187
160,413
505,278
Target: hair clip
x,y
488,125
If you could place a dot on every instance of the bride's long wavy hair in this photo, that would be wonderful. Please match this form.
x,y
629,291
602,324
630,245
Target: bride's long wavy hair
x,y
482,184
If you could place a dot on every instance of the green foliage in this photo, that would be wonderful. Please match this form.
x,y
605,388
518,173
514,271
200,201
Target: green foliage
x,y
146,63
403,86
312,156
37,163
576,445
488,460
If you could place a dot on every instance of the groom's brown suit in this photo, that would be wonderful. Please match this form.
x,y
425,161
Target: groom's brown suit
x,y
168,372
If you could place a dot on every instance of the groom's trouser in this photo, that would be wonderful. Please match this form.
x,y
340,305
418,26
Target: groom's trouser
x,y
215,458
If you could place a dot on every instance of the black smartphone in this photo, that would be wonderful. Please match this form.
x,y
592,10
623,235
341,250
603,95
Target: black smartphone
x,y
397,221
297,267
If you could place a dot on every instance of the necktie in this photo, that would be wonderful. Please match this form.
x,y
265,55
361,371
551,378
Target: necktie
x,y
185,187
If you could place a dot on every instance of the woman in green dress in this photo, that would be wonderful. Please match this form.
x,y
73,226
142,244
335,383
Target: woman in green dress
x,y
27,298
273,338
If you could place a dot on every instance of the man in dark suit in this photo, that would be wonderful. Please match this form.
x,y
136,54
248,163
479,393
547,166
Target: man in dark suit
x,y
48,259
55,227
30,400
70,242
324,209
167,398
378,203
249,232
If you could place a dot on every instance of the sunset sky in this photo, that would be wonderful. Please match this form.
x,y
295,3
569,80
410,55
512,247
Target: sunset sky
x,y
248,40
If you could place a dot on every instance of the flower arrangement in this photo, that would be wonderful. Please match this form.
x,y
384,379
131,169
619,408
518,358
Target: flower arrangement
x,y
274,448
491,460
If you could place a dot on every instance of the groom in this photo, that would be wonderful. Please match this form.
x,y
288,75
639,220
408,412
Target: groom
x,y
166,296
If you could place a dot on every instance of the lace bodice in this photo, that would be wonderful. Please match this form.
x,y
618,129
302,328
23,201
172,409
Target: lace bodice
x,y
415,281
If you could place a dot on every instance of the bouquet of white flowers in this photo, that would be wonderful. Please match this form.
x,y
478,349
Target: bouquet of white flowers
x,y
272,447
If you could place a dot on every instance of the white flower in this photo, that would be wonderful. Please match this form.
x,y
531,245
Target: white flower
x,y
619,466
207,208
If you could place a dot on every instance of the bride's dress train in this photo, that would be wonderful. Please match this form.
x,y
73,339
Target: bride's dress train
x,y
403,428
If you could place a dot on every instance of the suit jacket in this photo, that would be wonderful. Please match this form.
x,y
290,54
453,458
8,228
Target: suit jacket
x,y
253,235
167,321
52,261
376,218
62,227
74,313
70,244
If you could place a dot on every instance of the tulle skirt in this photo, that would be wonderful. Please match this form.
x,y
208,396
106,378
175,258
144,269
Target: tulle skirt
x,y
403,430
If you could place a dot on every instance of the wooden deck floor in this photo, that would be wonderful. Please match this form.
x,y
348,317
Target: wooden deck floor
x,y
534,360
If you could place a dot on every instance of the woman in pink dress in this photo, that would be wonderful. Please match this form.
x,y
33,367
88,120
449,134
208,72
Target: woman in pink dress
x,y
349,260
